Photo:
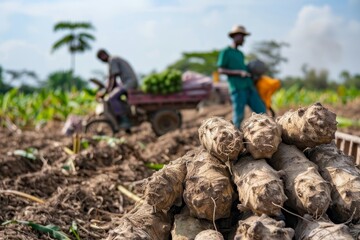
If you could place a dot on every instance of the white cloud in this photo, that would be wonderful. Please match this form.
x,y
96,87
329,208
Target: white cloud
x,y
322,40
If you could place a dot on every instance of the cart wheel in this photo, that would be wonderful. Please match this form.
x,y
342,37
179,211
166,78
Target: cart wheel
x,y
99,127
165,121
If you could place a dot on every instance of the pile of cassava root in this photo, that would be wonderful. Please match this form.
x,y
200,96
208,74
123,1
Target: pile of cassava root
x,y
278,178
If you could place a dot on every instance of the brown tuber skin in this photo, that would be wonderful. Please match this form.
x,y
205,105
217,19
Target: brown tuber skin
x,y
308,126
307,191
221,139
186,227
142,223
165,187
321,229
209,235
208,187
262,135
259,186
340,171
263,227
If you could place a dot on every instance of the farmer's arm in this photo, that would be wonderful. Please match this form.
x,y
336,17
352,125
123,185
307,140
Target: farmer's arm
x,y
240,73
223,66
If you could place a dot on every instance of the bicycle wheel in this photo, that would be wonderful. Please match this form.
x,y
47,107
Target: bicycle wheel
x,y
100,127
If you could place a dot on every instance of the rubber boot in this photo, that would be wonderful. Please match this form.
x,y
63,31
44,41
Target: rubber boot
x,y
125,122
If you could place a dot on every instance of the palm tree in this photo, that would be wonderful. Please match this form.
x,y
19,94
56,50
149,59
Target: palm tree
x,y
77,42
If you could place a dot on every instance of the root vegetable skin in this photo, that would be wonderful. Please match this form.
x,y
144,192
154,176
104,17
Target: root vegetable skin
x,y
209,235
221,139
208,187
186,227
340,171
308,126
322,229
166,186
262,227
142,223
259,186
307,191
262,135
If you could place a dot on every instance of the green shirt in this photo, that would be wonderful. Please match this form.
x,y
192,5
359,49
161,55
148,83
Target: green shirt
x,y
233,59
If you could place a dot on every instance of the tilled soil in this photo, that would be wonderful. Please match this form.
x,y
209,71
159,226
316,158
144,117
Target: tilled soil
x,y
88,194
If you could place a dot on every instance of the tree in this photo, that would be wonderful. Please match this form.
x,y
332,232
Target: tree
x,y
201,62
77,42
4,87
64,81
350,80
315,79
270,53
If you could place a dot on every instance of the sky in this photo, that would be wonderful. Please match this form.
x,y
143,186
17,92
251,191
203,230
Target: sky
x,y
152,34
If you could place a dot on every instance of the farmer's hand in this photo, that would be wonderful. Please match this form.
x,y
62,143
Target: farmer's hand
x,y
244,74
99,95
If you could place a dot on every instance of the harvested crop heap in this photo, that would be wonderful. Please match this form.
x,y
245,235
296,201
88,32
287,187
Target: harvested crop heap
x,y
253,183
165,82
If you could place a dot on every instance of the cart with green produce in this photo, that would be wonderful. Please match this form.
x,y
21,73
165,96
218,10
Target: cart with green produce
x,y
159,102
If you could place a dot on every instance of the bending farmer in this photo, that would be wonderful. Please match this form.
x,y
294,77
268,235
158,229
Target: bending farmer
x,y
242,90
118,67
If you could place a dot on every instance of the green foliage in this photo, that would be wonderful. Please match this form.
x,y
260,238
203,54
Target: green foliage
x,y
168,81
296,96
201,62
27,110
65,81
350,80
270,53
3,86
52,230
76,42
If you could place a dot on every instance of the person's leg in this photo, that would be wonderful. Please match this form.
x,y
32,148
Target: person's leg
x,y
119,107
115,103
255,102
238,99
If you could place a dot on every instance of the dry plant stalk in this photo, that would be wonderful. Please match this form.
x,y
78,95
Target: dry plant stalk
x,y
258,186
339,169
308,126
262,135
263,227
208,191
221,138
165,187
307,191
142,223
321,229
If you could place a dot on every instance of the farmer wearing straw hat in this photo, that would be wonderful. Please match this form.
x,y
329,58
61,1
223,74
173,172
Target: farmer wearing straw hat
x,y
231,62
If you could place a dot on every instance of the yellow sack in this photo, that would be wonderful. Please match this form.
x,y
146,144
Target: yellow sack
x,y
266,87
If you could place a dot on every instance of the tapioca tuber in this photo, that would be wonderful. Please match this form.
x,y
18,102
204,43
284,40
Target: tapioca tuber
x,y
262,227
221,138
339,169
142,223
209,235
308,126
262,135
321,229
259,186
186,227
165,188
208,191
307,191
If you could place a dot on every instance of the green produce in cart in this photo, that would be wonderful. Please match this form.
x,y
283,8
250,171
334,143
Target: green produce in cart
x,y
165,82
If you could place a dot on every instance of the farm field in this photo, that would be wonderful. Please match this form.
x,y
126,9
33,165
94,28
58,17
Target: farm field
x,y
80,193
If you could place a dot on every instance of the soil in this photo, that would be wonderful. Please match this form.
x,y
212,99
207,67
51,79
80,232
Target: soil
x,y
88,194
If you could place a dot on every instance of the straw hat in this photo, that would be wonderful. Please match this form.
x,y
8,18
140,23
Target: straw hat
x,y
238,29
